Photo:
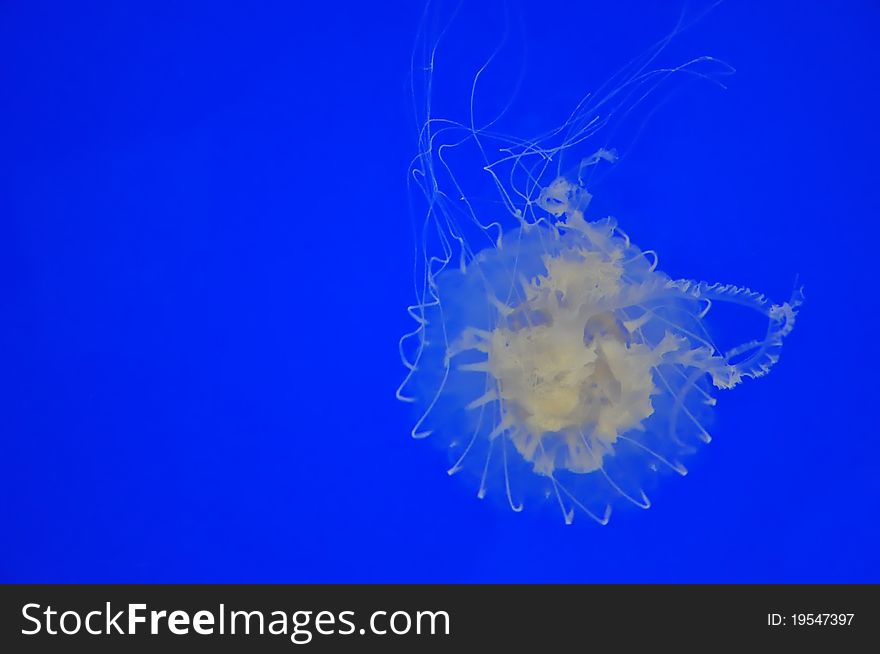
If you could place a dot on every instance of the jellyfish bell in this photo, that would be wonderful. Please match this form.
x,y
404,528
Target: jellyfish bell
x,y
551,356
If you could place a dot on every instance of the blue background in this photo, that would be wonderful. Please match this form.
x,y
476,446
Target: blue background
x,y
206,255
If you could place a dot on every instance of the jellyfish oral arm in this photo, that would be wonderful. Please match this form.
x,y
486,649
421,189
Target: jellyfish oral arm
x,y
756,357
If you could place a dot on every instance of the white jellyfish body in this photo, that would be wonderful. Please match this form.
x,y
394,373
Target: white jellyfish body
x,y
558,361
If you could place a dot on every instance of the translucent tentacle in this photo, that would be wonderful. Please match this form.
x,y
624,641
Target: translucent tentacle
x,y
755,357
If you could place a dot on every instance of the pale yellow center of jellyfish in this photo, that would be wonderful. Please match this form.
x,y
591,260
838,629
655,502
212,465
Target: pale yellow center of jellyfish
x,y
569,377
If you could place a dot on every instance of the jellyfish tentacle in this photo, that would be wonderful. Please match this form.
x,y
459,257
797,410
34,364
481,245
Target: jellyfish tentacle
x,y
679,407
760,354
567,514
676,467
515,507
418,432
481,492
417,313
558,486
644,503
476,431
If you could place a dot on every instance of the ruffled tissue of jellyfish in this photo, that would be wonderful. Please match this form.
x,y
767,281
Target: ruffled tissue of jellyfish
x,y
550,355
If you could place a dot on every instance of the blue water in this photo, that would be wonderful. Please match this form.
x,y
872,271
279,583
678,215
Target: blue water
x,y
206,256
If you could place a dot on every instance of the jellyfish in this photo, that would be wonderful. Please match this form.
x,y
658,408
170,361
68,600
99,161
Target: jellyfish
x,y
550,355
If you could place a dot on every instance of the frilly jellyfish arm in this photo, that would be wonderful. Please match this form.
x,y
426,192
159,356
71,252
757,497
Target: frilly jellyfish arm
x,y
755,357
